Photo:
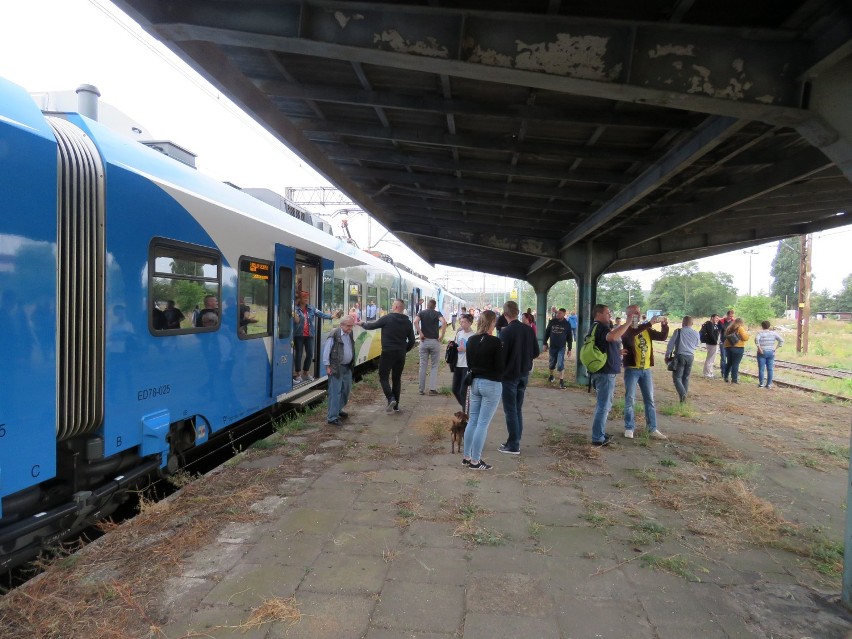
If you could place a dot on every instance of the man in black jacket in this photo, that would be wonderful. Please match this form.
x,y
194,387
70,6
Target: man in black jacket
x,y
520,348
709,335
397,340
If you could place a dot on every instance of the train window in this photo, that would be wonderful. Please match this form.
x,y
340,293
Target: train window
x,y
371,310
285,302
355,300
384,301
332,296
253,293
184,287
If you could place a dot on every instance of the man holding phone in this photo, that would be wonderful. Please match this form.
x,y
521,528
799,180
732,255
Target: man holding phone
x,y
638,360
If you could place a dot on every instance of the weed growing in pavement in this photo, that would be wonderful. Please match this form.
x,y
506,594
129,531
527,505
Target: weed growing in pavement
x,y
668,462
445,390
833,450
810,462
265,444
596,514
648,532
740,471
679,409
676,565
467,512
473,483
535,529
181,478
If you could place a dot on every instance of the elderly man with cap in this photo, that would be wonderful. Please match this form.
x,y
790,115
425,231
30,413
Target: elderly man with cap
x,y
303,337
338,360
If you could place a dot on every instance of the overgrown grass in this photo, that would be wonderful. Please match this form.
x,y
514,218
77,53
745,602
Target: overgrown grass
x,y
677,409
648,532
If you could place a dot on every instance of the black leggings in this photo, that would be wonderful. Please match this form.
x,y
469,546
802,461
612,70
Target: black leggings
x,y
459,389
391,363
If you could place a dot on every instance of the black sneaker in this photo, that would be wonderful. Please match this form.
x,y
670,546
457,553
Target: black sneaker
x,y
605,442
343,414
433,392
550,379
505,449
561,383
390,407
481,466
333,422
395,406
465,462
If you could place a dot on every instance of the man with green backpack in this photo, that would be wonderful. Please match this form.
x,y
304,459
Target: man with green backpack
x,y
601,355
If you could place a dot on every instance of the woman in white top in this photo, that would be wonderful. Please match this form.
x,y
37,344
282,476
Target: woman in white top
x,y
767,341
462,335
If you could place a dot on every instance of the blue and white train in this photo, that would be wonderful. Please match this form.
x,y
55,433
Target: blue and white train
x,y
102,383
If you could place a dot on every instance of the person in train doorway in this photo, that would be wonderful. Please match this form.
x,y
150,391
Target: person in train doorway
x,y
303,337
371,310
637,342
520,348
397,340
209,315
723,352
560,338
430,325
418,307
338,360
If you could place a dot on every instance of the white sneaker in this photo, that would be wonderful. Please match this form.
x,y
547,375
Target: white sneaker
x,y
307,378
297,380
628,434
656,434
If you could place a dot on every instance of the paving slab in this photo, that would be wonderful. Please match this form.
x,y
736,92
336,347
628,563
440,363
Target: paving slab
x,y
416,606
338,573
337,615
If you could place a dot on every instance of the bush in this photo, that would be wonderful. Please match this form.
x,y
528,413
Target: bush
x,y
754,309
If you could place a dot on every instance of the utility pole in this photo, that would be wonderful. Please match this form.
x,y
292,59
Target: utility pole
x,y
750,253
803,312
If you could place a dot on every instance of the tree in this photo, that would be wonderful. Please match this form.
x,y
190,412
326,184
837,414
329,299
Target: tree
x,y
753,309
785,272
562,295
617,291
823,301
683,290
844,297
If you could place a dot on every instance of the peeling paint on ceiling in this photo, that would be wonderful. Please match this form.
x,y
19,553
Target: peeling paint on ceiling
x,y
394,39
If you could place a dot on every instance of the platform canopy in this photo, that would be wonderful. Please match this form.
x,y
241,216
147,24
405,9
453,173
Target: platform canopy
x,y
540,138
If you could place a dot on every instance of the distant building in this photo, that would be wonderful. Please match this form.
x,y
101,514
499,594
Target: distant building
x,y
845,316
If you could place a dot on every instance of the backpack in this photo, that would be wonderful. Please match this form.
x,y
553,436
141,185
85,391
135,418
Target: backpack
x,y
705,335
732,338
591,356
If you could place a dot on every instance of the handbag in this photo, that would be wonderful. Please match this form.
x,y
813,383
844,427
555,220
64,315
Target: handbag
x,y
671,362
468,378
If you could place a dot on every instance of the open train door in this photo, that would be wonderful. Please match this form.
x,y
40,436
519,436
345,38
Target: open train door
x,y
282,350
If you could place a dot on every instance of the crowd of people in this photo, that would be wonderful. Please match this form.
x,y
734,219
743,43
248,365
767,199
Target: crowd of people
x,y
495,354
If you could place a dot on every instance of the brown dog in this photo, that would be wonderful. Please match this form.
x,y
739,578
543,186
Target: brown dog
x,y
457,431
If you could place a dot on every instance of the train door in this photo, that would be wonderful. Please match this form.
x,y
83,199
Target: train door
x,y
282,349
307,281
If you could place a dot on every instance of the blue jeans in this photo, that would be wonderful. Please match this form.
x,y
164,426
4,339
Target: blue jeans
x,y
766,360
300,342
484,397
723,359
735,356
513,403
645,380
604,385
557,359
338,392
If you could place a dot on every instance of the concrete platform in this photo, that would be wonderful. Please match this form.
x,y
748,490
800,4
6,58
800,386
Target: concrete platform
x,y
394,539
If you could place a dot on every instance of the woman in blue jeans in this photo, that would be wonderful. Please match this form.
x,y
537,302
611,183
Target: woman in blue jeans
x,y
735,331
485,361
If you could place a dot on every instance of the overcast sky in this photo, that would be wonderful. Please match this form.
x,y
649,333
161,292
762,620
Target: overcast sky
x,y
56,45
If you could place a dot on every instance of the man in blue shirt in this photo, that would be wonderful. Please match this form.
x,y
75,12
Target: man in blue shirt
x,y
572,320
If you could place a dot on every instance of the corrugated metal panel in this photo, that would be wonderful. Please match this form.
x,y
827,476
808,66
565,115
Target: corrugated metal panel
x,y
80,304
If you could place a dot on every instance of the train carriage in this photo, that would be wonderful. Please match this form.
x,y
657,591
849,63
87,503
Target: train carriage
x,y
143,308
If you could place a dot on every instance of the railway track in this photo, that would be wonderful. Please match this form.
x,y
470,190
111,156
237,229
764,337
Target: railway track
x,y
822,371
806,369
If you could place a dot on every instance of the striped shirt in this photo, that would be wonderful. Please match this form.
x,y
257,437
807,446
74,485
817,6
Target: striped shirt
x,y
765,341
